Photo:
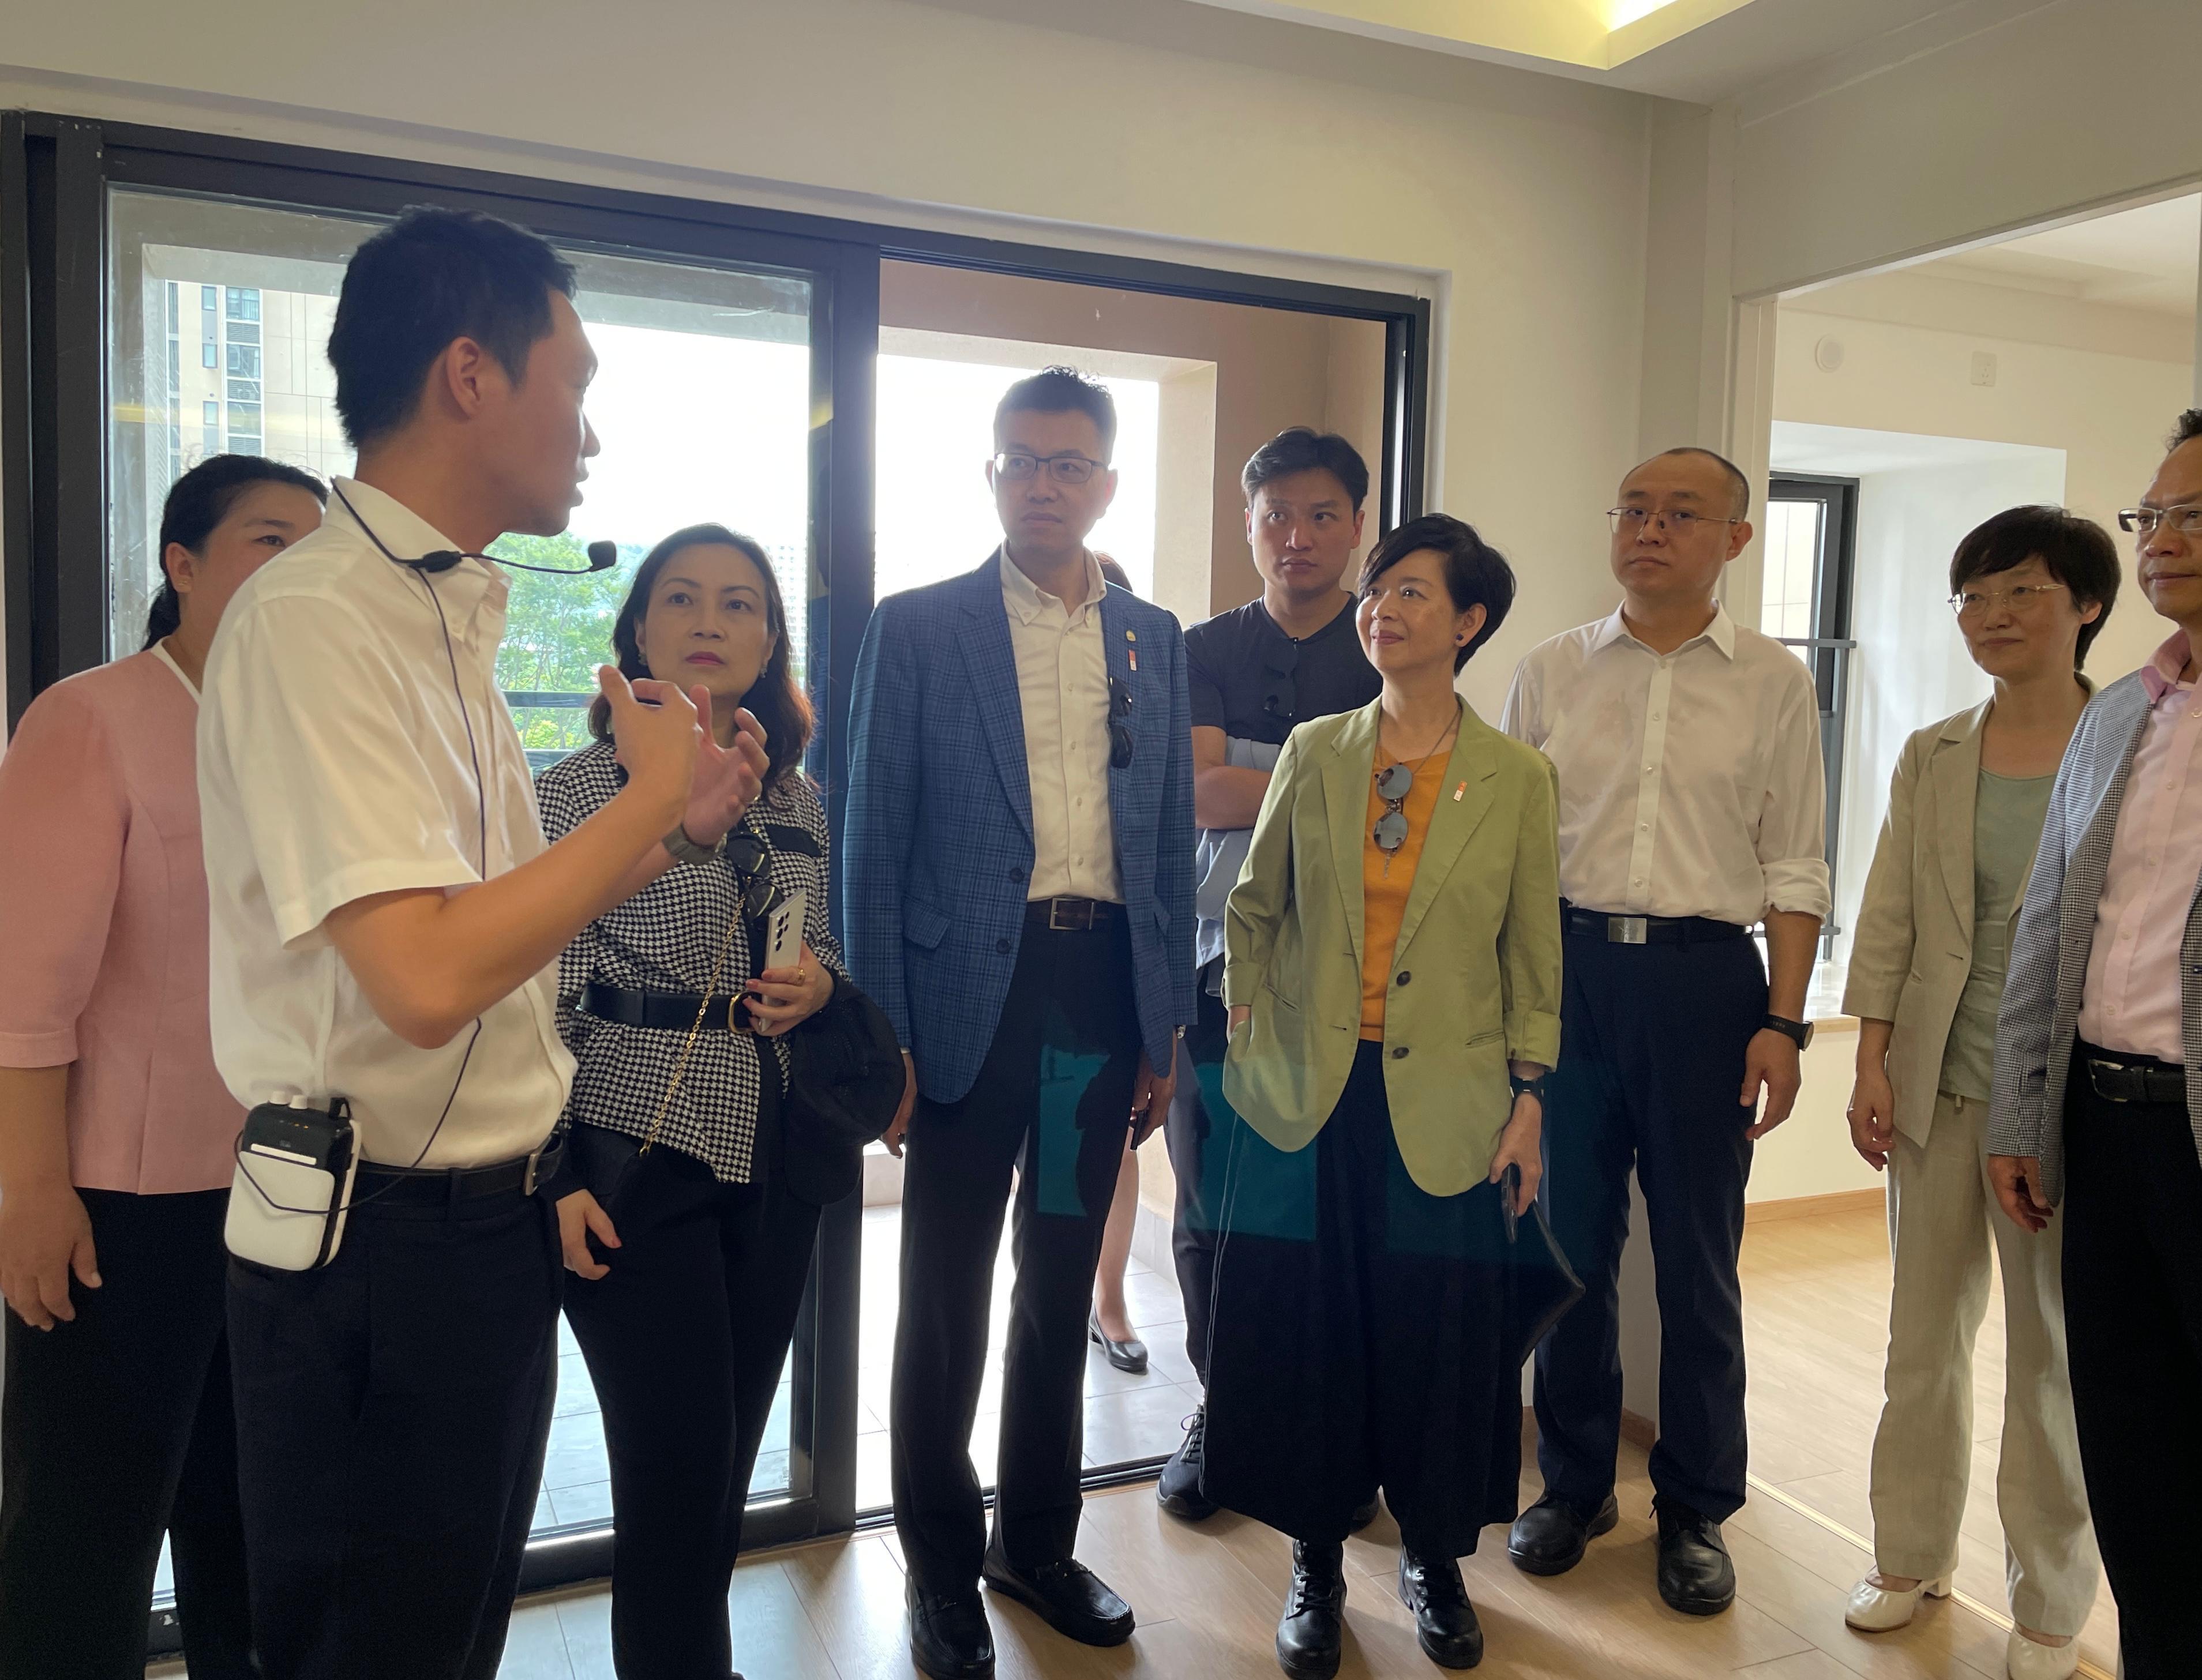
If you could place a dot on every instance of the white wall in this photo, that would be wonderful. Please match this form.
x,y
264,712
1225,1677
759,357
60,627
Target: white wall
x,y
2106,412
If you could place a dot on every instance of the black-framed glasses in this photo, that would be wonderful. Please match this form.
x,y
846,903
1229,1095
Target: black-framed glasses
x,y
1676,521
1016,465
2186,519
1120,723
1393,783
1280,689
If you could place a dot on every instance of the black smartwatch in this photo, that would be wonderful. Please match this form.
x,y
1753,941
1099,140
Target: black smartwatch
x,y
1528,1087
1801,1032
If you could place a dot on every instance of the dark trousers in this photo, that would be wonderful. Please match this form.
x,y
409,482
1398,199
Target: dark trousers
x,y
1652,1040
1363,1337
1053,1103
116,1428
686,1338
1188,1133
392,1410
2132,1318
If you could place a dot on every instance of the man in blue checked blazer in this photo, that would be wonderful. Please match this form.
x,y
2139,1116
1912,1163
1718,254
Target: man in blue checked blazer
x,y
1018,888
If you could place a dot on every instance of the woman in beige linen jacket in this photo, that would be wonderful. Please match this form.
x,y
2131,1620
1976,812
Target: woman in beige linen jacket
x,y
2032,588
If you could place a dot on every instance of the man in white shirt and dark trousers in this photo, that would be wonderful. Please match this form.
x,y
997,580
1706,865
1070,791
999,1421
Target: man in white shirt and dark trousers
x,y
1692,805
1019,897
385,919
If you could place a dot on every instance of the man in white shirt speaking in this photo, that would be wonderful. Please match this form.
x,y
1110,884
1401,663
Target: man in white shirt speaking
x,y
1692,805
385,921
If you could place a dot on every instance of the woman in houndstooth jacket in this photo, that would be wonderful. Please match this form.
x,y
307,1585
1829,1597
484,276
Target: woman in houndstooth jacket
x,y
688,1216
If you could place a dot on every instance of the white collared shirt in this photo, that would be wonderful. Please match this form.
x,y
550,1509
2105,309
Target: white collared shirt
x,y
1063,685
1691,783
334,763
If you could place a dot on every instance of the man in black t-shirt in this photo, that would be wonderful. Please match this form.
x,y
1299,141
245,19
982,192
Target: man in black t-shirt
x,y
1254,672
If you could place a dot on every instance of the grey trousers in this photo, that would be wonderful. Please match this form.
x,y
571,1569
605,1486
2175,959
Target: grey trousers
x,y
1943,1221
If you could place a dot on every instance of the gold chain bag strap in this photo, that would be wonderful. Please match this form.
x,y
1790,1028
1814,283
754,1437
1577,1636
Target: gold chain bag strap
x,y
688,1044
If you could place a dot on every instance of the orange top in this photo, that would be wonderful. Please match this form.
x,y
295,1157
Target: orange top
x,y
1386,881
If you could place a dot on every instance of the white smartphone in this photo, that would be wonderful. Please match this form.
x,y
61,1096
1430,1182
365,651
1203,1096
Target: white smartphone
x,y
783,933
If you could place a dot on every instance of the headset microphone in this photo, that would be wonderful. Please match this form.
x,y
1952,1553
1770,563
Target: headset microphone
x,y
602,555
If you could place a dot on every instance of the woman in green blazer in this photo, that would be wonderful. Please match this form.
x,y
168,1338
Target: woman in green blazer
x,y
1391,963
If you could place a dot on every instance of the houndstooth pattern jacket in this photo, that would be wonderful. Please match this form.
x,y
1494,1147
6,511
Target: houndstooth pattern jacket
x,y
2036,1027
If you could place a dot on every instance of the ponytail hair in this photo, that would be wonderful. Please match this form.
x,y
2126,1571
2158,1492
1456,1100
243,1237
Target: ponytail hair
x,y
199,501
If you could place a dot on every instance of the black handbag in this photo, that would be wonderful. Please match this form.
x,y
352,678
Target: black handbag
x,y
844,1070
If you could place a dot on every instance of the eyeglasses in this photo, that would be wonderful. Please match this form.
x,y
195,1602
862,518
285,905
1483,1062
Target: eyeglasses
x,y
1016,467
1281,690
2186,519
1678,521
747,852
1971,603
1393,783
1120,726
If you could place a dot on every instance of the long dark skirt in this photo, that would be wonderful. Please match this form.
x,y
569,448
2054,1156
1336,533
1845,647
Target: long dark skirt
x,y
1369,1334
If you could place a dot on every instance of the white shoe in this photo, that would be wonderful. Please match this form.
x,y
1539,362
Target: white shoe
x,y
2025,1659
1879,1610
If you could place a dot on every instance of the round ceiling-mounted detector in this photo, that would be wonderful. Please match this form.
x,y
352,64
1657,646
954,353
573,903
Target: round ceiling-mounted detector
x,y
1828,353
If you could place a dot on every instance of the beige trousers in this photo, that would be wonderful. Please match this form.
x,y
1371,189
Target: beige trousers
x,y
1942,1222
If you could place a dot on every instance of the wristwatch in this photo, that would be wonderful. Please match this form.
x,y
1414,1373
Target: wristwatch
x,y
686,850
1528,1087
1799,1030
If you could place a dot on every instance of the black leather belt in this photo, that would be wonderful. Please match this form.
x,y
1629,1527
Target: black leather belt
x,y
427,1186
662,1011
2118,1079
1648,929
1071,915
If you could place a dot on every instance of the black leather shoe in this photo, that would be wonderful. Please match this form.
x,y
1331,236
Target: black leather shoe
x,y
1550,1537
1178,1491
1129,1354
1445,1621
949,1638
1696,1576
1364,1514
1312,1633
1067,1596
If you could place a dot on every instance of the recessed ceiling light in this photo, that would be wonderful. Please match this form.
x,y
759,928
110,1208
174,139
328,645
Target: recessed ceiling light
x,y
1622,13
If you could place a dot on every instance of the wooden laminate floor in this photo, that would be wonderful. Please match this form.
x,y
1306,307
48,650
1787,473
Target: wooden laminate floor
x,y
1208,1597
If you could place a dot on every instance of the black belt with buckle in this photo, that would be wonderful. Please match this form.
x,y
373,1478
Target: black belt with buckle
x,y
438,1186
1648,929
2135,1078
1071,915
661,1011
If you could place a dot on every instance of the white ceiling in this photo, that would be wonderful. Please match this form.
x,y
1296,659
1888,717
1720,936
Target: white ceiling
x,y
2140,259
1701,51
1851,452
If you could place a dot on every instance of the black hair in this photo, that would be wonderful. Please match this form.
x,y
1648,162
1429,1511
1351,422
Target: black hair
x,y
775,699
1737,482
1475,573
1302,448
431,276
1061,390
199,501
2185,430
2077,552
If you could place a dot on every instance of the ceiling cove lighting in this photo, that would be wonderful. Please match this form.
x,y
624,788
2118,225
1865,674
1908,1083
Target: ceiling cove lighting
x,y
1620,14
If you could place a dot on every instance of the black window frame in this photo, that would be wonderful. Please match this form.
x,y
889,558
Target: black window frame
x,y
55,171
1828,649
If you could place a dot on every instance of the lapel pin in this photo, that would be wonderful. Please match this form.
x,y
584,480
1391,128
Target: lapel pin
x,y
1458,791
